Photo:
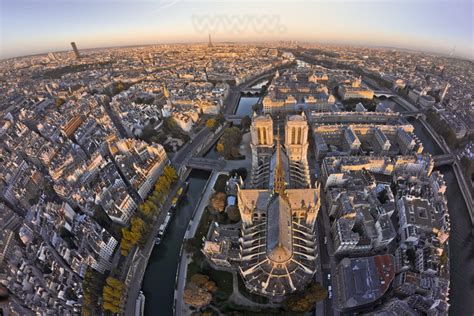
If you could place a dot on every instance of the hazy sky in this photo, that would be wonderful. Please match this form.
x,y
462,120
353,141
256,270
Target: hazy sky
x,y
36,26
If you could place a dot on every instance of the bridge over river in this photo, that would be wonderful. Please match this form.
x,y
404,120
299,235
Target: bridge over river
x,y
205,164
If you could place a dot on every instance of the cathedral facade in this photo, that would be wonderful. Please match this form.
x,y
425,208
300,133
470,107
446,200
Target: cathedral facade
x,y
294,157
278,243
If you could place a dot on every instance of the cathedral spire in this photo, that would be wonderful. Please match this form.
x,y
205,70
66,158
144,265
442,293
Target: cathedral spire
x,y
279,186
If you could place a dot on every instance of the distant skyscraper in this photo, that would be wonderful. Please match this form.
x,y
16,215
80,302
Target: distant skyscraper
x,y
210,42
76,51
445,91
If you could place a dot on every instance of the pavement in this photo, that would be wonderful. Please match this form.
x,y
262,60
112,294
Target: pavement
x,y
180,308
328,261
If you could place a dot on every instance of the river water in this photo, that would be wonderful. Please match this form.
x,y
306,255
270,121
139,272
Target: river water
x,y
159,280
245,106
461,247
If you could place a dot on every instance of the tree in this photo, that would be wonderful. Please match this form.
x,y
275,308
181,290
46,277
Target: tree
x,y
256,107
246,122
198,292
233,213
229,142
196,296
170,173
120,87
59,102
305,301
220,148
114,283
170,124
204,281
211,124
217,201
92,288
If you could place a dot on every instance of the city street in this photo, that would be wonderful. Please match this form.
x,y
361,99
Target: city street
x,y
327,258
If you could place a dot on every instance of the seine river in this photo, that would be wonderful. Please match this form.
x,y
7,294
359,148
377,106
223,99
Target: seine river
x,y
245,106
159,279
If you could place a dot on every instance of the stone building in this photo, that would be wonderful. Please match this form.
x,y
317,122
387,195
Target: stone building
x,y
278,243
294,157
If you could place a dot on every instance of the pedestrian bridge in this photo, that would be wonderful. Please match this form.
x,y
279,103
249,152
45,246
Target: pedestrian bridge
x,y
205,163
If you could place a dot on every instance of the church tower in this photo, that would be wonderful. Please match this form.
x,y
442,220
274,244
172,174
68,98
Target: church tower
x,y
262,149
296,146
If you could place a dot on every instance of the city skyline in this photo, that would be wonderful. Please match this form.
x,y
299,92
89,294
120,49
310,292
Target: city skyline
x,y
442,27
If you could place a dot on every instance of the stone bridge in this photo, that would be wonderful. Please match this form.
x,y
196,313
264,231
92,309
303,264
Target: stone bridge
x,y
252,91
441,160
205,164
235,119
384,93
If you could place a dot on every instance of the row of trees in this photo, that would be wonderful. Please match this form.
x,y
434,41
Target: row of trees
x,y
142,222
135,234
131,235
112,295
303,302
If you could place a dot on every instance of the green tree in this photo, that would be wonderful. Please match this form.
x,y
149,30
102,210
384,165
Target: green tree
x,y
119,87
256,107
229,142
211,124
170,173
305,301
59,102
233,213
220,148
246,122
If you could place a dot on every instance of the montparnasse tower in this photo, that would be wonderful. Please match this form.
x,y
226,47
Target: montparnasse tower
x,y
210,42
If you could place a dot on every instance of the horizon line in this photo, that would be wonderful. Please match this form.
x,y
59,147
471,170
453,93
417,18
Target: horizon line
x,y
437,53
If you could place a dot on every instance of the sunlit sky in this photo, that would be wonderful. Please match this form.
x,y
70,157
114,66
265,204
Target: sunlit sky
x,y
39,26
